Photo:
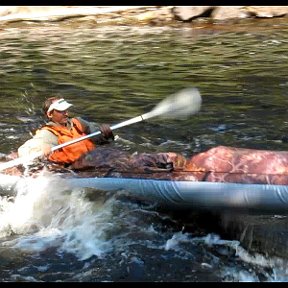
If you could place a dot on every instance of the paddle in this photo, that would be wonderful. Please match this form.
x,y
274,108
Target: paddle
x,y
179,105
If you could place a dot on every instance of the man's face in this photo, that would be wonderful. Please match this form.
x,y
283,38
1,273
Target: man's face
x,y
60,117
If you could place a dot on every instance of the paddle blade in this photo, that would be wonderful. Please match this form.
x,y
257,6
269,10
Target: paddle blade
x,y
179,105
19,161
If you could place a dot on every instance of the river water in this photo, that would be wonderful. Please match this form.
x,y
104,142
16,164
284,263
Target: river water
x,y
111,74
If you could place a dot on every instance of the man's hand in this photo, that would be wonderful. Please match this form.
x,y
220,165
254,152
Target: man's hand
x,y
46,149
106,131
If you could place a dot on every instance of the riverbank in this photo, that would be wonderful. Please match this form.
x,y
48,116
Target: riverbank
x,y
139,15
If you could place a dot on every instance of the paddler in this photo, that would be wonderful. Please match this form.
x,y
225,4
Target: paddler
x,y
59,129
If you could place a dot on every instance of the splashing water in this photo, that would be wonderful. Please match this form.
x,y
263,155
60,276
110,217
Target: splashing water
x,y
45,213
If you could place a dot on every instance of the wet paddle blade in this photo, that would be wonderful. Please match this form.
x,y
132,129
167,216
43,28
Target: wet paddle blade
x,y
179,105
19,161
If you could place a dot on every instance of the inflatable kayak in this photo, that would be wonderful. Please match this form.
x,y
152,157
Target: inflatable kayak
x,y
220,178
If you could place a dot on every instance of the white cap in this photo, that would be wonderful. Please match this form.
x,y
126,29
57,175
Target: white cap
x,y
59,105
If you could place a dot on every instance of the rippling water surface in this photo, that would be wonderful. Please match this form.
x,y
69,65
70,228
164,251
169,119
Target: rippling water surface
x,y
111,74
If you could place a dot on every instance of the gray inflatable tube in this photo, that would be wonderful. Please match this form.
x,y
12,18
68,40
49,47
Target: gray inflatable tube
x,y
189,194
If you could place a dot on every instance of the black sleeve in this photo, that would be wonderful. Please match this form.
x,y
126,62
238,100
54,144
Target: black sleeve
x,y
91,127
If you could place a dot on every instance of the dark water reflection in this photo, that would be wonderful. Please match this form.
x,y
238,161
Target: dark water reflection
x,y
112,74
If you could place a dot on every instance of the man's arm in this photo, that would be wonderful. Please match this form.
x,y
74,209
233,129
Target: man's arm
x,y
106,135
41,141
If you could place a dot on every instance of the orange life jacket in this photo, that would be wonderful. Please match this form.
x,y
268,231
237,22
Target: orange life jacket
x,y
70,153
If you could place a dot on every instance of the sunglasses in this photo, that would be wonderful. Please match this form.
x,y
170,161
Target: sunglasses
x,y
61,112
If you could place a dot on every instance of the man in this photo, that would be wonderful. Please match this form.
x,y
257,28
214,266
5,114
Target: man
x,y
61,129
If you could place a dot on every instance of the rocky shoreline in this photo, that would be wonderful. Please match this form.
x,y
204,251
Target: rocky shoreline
x,y
139,15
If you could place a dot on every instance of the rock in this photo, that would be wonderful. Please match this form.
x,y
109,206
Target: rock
x,y
189,13
30,11
161,15
266,11
228,12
